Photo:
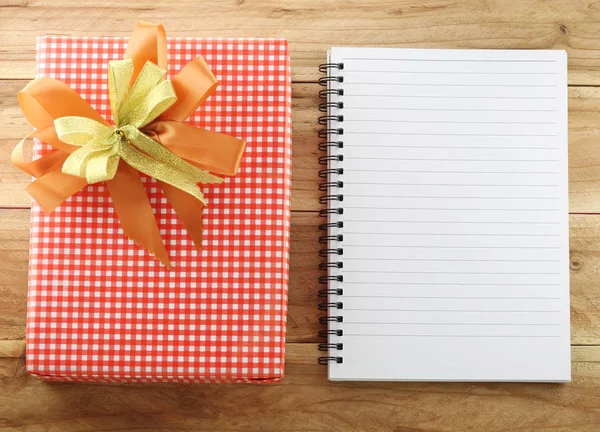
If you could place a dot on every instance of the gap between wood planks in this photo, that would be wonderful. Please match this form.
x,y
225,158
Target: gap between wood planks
x,y
306,82
307,352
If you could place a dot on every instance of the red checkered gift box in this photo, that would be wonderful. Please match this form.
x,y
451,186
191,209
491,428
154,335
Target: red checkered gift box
x,y
101,308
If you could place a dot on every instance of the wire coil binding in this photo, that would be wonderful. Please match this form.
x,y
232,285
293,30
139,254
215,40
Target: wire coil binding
x,y
326,333
331,145
325,145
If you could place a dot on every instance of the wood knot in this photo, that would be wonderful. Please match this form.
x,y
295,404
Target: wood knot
x,y
563,29
575,263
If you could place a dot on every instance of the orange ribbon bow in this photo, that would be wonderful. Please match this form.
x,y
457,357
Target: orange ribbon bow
x,y
45,100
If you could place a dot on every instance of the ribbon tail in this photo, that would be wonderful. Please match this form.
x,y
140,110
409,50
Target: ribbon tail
x,y
135,213
162,155
40,166
43,165
211,151
19,159
119,78
54,187
162,171
148,42
193,85
45,99
188,210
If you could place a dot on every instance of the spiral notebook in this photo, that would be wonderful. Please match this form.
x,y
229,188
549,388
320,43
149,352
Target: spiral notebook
x,y
446,228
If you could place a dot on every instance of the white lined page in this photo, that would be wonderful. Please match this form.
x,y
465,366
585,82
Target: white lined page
x,y
455,212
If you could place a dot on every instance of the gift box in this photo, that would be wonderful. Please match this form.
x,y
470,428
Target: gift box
x,y
101,308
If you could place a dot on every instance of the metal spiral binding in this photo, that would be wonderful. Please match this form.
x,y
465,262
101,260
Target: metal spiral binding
x,y
331,134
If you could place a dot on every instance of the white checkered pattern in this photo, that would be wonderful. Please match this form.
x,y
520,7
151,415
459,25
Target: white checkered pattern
x,y
100,308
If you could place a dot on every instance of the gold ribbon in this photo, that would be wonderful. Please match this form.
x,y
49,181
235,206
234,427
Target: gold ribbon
x,y
149,137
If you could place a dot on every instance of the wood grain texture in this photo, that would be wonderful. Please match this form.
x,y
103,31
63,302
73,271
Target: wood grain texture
x,y
13,127
584,151
304,353
312,26
306,400
302,312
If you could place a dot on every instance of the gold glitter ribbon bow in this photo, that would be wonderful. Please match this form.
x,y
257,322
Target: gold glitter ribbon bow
x,y
103,146
148,137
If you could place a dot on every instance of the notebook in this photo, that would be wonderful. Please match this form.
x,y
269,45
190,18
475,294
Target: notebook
x,y
446,206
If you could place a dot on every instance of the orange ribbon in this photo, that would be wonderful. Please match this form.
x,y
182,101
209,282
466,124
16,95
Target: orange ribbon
x,y
45,99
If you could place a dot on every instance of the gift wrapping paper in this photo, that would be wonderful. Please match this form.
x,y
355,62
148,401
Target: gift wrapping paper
x,y
101,308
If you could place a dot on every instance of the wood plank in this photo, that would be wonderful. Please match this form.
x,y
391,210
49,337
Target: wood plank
x,y
584,152
14,247
584,245
312,28
305,401
12,348
304,162
302,312
305,353
14,243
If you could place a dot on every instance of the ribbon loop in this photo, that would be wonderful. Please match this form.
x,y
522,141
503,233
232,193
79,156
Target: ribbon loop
x,y
143,100
102,167
119,77
79,131
157,101
78,162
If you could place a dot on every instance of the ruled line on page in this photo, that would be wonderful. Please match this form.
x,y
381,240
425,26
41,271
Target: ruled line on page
x,y
347,183
456,147
454,273
453,310
457,247
449,122
450,260
457,85
450,97
457,209
347,158
453,222
451,234
452,323
451,336
452,297
450,172
445,197
451,60
447,109
448,284
449,134
444,72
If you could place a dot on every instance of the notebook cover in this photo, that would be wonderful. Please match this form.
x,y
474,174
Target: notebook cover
x,y
100,308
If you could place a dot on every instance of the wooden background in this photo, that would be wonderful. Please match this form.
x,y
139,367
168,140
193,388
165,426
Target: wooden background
x,y
306,400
